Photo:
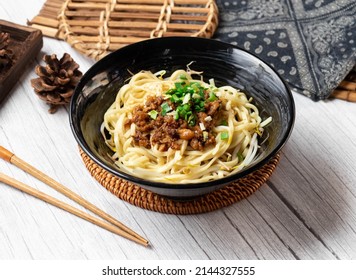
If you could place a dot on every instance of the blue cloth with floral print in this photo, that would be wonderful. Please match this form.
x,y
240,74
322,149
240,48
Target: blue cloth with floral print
x,y
311,43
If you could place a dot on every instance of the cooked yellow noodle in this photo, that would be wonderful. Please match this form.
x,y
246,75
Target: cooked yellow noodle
x,y
185,165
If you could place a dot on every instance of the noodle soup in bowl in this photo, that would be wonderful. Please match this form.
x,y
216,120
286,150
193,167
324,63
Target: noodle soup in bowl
x,y
181,116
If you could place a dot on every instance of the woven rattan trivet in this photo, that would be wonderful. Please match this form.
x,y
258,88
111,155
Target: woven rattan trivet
x,y
96,27
140,197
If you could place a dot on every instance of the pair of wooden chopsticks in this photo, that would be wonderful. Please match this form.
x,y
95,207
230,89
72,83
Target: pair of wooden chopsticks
x,y
110,224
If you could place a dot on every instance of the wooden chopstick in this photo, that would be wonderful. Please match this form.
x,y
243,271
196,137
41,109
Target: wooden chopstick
x,y
60,204
121,229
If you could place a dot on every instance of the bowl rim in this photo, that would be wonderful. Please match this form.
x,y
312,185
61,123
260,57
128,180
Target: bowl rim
x,y
179,186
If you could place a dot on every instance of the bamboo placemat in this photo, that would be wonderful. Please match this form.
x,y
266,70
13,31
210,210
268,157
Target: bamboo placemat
x,y
96,27
220,198
347,88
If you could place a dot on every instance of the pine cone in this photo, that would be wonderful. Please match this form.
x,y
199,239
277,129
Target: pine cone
x,y
6,54
57,80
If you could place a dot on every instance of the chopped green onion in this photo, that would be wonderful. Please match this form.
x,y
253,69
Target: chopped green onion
x,y
212,82
175,98
208,119
196,96
202,126
178,85
165,108
224,135
189,89
187,114
186,98
176,115
184,111
186,107
199,105
212,96
170,91
191,119
153,114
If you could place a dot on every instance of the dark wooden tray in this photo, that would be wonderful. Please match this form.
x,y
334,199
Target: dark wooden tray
x,y
26,42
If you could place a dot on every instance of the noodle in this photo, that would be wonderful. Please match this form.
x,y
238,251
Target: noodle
x,y
235,133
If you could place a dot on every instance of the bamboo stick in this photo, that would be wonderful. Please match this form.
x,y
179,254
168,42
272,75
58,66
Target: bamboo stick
x,y
49,15
132,24
12,158
84,30
51,4
152,25
103,1
47,31
81,6
193,10
45,21
176,2
114,47
177,33
55,1
90,32
189,2
122,15
184,26
96,39
95,23
128,32
52,9
174,17
158,8
347,85
345,95
84,13
62,205
110,46
136,8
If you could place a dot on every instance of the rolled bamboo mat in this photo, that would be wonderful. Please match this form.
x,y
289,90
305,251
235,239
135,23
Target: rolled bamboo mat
x,y
96,27
347,88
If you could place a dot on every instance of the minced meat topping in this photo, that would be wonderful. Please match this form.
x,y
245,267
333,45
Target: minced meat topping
x,y
186,112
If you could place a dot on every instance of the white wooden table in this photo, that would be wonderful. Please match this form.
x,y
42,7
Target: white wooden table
x,y
307,210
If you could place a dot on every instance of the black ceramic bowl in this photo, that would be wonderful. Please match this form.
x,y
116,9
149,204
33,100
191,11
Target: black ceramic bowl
x,y
227,64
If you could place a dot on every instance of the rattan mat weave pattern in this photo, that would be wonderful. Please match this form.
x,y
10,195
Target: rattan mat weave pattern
x,y
97,27
140,197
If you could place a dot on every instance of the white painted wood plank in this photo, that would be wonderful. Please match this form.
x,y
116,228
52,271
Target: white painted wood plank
x,y
319,177
307,210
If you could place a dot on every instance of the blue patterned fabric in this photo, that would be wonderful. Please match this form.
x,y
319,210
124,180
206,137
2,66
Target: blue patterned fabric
x,y
311,43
